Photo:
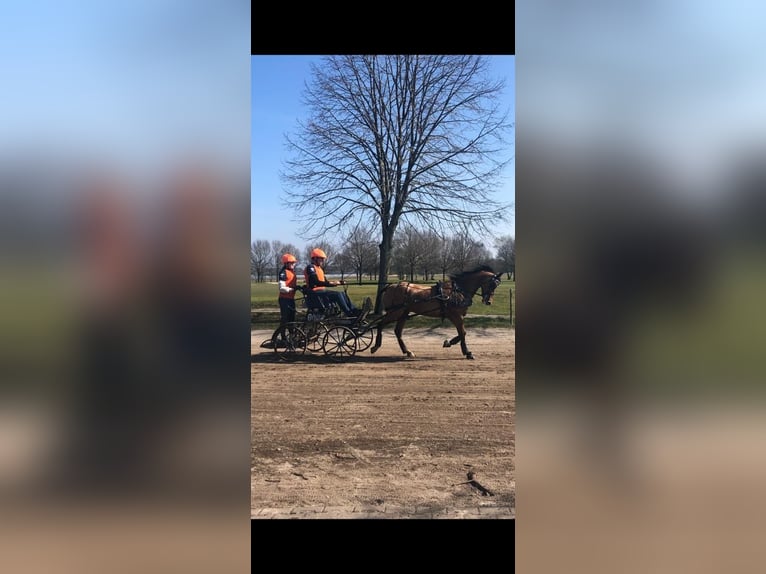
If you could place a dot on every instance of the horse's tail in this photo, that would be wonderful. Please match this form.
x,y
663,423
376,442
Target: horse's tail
x,y
386,286
379,297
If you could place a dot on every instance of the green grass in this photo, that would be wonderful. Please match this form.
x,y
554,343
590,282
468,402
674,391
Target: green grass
x,y
714,344
265,308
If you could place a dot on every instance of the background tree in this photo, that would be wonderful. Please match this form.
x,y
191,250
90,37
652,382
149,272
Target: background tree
x,y
278,249
506,255
466,252
444,262
361,251
430,244
409,251
342,264
260,258
391,139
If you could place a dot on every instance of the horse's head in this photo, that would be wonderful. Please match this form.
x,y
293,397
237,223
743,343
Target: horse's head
x,y
483,279
488,287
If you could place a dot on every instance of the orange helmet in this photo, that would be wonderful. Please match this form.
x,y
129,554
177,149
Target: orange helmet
x,y
318,253
288,258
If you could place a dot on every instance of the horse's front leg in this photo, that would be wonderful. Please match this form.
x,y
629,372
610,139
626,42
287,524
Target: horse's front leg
x,y
459,337
398,330
468,354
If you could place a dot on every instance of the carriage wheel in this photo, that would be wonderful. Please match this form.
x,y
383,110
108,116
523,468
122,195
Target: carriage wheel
x,y
315,335
339,342
364,336
289,341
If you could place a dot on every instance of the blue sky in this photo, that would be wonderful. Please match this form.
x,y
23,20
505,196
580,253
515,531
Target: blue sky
x,y
137,84
277,83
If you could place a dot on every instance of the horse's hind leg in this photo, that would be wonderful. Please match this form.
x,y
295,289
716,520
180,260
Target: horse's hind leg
x,y
385,320
398,330
378,338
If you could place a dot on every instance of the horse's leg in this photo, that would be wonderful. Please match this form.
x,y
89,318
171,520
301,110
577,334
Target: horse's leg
x,y
398,330
385,320
460,326
378,337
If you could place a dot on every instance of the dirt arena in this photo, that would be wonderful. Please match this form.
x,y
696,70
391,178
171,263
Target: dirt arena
x,y
384,436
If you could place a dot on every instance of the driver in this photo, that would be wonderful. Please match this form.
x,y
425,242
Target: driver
x,y
316,283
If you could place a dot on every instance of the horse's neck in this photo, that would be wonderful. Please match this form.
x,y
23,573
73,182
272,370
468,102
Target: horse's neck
x,y
471,289
451,285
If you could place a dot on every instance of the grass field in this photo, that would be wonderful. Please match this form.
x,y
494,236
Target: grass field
x,y
265,313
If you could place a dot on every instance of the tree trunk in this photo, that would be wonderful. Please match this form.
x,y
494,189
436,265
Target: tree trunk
x,y
385,249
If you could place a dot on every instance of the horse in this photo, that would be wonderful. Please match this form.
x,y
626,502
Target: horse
x,y
448,300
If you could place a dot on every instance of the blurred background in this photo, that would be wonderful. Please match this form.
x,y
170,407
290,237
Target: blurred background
x,y
124,181
641,196
124,372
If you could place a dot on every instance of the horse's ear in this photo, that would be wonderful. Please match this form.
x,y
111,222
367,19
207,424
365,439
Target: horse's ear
x,y
499,276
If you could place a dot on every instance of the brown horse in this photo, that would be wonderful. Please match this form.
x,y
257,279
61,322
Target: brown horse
x,y
447,300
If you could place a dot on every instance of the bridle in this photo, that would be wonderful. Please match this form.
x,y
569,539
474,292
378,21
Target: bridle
x,y
488,289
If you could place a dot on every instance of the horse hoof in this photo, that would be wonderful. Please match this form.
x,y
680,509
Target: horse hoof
x,y
373,349
410,354
469,356
446,343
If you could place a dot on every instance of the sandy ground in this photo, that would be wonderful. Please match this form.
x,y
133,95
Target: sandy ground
x,y
386,435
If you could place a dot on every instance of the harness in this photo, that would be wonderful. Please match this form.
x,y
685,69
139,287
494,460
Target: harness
x,y
451,297
454,297
447,296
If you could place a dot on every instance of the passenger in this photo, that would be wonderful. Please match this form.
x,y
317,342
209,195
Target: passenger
x,y
288,283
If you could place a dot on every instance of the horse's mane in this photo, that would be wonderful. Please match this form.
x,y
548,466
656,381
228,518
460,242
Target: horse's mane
x,y
458,276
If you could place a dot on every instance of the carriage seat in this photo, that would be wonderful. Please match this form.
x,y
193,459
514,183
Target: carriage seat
x,y
318,302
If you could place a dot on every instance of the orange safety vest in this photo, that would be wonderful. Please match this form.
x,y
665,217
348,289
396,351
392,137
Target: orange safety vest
x,y
319,273
291,279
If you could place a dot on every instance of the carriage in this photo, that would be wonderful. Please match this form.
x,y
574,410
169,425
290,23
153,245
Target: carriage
x,y
323,328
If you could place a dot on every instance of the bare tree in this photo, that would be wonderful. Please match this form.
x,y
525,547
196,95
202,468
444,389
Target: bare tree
x,y
506,255
361,251
444,261
341,263
430,244
392,139
466,251
278,249
260,257
409,250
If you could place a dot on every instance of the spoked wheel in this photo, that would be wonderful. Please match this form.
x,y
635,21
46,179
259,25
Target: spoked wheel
x,y
315,335
364,336
339,342
289,341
